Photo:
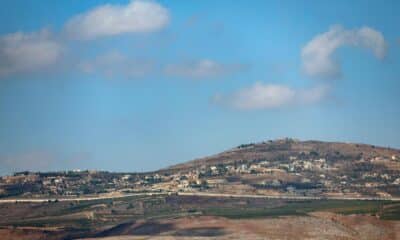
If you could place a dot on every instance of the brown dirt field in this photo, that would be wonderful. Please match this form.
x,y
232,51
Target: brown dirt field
x,y
318,226
27,234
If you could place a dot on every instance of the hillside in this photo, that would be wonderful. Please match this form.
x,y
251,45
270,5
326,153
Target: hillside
x,y
310,168
281,184
293,187
285,148
287,167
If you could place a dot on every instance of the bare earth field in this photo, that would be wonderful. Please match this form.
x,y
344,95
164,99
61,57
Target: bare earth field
x,y
319,225
194,217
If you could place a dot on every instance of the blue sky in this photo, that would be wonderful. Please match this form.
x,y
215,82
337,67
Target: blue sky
x,y
141,85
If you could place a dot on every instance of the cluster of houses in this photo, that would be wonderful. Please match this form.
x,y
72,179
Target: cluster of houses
x,y
317,171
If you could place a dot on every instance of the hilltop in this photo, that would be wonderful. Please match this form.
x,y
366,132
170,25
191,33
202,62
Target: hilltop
x,y
284,148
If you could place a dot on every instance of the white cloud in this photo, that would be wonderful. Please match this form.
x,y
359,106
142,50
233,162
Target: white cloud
x,y
270,96
202,69
318,54
108,20
114,64
28,52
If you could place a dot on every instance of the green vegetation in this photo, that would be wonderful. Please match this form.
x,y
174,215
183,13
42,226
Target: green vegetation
x,y
391,212
252,212
386,210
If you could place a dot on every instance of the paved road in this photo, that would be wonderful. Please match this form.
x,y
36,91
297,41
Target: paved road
x,y
199,194
282,196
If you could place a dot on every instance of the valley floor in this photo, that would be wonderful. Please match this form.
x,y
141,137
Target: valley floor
x,y
319,225
167,216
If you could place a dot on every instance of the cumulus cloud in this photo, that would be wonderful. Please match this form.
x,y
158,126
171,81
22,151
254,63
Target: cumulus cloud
x,y
28,52
270,96
202,69
108,20
114,64
318,54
